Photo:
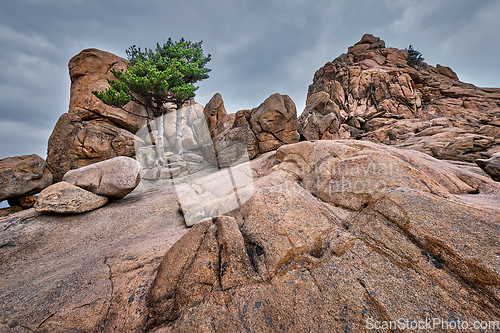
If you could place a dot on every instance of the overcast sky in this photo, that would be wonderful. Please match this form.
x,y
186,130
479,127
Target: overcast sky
x,y
257,47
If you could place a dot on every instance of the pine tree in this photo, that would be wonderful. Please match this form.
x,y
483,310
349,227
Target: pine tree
x,y
154,78
414,57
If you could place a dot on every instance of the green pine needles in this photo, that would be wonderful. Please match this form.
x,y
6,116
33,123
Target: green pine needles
x,y
155,77
414,57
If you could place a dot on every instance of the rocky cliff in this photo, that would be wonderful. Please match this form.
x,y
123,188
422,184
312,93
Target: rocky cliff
x,y
375,95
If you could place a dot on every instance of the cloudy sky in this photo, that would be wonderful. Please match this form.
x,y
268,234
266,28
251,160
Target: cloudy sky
x,y
257,47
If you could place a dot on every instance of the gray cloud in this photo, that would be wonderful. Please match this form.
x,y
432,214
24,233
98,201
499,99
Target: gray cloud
x,y
258,47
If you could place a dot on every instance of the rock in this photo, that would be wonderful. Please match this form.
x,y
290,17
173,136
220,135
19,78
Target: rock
x,y
114,178
337,235
376,83
91,131
65,198
23,202
214,111
75,143
274,122
190,157
188,140
150,174
85,272
89,71
320,119
491,166
446,71
23,175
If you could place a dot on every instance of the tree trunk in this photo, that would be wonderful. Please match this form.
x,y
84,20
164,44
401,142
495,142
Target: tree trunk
x,y
160,144
178,127
190,113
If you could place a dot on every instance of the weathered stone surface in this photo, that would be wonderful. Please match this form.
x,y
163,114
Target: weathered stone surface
x,y
91,131
23,202
320,119
23,175
396,102
491,166
87,272
65,198
75,143
337,230
251,132
114,178
214,111
274,122
89,71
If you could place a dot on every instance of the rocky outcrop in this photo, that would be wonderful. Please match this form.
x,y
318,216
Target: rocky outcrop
x,y
251,132
336,230
91,131
214,111
86,272
321,118
424,108
65,198
491,166
114,178
22,176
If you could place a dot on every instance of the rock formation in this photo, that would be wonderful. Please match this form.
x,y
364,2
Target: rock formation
x,y
91,131
22,176
335,230
85,272
491,166
114,178
262,129
65,198
387,101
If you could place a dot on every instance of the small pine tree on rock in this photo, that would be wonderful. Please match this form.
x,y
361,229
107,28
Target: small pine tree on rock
x,y
156,77
414,57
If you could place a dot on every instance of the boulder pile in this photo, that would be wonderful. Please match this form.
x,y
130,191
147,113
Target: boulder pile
x,y
90,187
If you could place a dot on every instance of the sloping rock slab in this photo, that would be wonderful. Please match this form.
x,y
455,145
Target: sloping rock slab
x,y
338,235
85,273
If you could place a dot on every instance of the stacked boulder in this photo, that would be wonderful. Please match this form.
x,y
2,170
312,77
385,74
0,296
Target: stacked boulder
x,y
21,177
90,187
91,131
383,99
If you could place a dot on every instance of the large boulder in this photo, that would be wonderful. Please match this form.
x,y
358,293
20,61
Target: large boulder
x,y
65,198
214,111
388,101
274,122
320,119
91,131
89,70
75,143
114,178
491,166
338,229
22,176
